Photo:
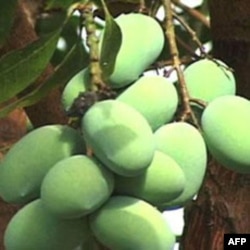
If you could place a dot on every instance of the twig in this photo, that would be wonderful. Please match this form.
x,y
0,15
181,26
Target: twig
x,y
193,12
170,33
142,7
191,32
186,46
164,63
201,103
154,7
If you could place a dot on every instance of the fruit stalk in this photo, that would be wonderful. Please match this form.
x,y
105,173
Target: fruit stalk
x,y
198,15
92,42
142,8
192,34
170,34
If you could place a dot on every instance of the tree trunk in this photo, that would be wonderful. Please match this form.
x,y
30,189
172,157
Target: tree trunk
x,y
223,203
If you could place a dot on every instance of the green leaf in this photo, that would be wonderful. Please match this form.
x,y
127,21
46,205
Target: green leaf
x,y
7,13
111,43
18,69
76,60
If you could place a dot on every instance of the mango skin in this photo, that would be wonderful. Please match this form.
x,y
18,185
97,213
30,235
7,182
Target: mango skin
x,y
34,228
119,136
129,223
76,186
207,80
138,50
163,181
154,97
77,84
185,144
29,160
225,124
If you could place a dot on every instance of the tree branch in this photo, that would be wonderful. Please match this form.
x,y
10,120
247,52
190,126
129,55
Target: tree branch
x,y
170,34
193,12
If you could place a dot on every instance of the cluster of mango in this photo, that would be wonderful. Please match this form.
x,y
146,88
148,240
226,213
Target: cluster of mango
x,y
225,119
70,200
143,161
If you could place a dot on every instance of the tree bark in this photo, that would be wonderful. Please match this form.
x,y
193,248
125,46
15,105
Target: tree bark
x,y
223,203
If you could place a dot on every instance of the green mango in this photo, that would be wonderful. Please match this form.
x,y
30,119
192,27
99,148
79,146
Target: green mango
x,y
154,97
142,42
129,223
163,181
78,84
207,79
29,160
185,144
34,228
76,186
119,136
225,123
